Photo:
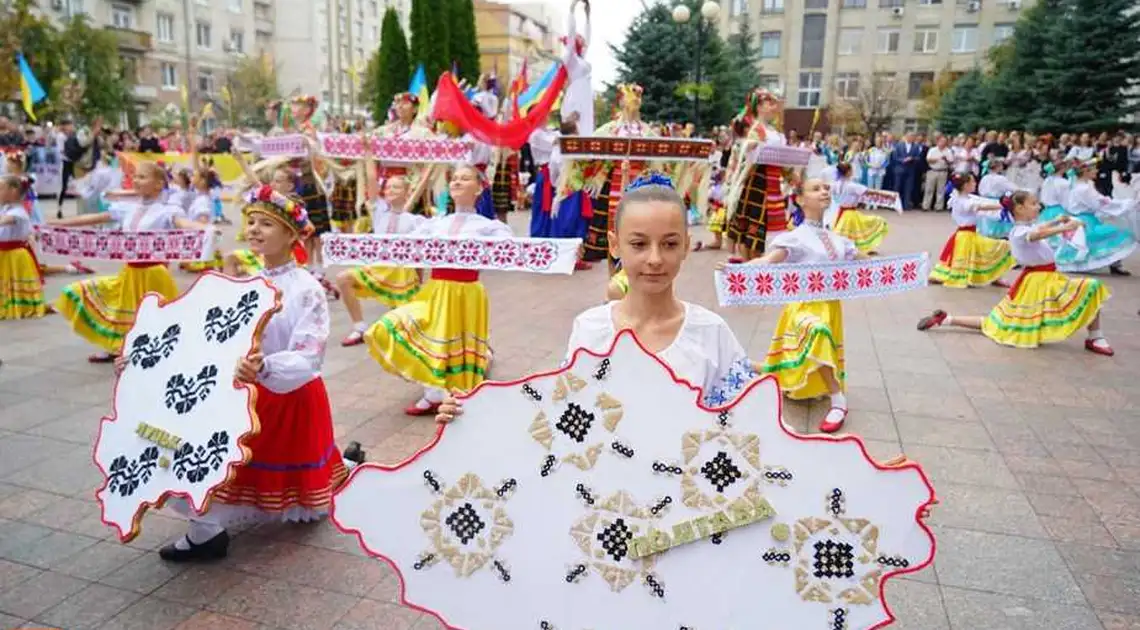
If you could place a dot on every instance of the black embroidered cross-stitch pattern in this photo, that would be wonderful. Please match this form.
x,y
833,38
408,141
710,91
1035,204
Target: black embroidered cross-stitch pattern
x,y
661,505
507,487
584,494
655,586
548,464
721,471
722,418
836,502
465,523
603,370
224,325
667,468
126,475
575,422
575,573
615,539
532,393
432,482
146,352
622,449
834,560
777,556
838,619
895,562
425,561
195,462
501,571
184,392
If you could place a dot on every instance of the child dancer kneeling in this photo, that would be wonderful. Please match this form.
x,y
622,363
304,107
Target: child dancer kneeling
x,y
294,467
1043,306
652,241
806,354
969,259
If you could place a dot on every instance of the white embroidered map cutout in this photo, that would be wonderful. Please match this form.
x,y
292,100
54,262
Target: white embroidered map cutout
x,y
603,497
179,418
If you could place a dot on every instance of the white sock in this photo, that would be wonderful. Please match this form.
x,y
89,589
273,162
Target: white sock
x,y
73,270
949,321
359,327
839,401
199,533
1094,334
434,395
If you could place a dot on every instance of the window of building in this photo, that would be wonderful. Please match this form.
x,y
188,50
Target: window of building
x,y
772,6
204,3
203,35
890,4
854,4
811,87
738,7
926,39
129,69
928,3
375,34
206,82
122,16
1002,32
770,82
815,4
965,39
375,8
847,85
237,40
169,76
850,41
911,125
770,42
888,40
76,7
234,6
917,83
813,40
164,27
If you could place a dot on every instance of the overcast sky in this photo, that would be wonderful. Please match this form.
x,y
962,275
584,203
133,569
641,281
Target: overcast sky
x,y
611,19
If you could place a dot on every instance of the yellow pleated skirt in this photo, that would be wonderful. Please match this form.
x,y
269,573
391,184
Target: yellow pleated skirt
x,y
391,286
438,340
718,221
102,310
1049,307
808,336
866,230
972,260
249,263
198,266
21,292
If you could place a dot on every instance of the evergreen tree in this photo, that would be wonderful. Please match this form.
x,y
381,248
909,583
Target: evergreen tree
x,y
389,70
436,53
659,54
463,41
1016,82
961,111
744,58
1089,61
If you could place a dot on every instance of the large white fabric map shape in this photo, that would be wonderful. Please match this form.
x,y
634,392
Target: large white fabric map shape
x,y
602,497
179,417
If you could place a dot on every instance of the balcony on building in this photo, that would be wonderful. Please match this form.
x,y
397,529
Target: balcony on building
x,y
131,40
145,92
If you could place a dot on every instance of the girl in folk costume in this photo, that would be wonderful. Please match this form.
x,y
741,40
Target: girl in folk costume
x,y
651,240
203,182
717,222
440,340
404,126
294,466
102,310
505,183
969,259
579,96
756,204
1107,224
995,185
542,145
1043,306
866,230
16,165
481,152
21,284
1055,189
572,215
607,182
806,354
391,286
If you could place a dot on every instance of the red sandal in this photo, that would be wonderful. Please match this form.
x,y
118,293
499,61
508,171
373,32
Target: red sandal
x,y
833,427
933,320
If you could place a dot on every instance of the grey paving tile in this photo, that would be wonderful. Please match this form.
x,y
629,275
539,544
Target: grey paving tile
x,y
1113,594
32,597
972,610
49,550
150,613
1009,565
90,608
927,431
994,510
916,605
956,465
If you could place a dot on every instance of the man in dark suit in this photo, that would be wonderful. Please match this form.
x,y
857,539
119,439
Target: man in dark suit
x,y
906,155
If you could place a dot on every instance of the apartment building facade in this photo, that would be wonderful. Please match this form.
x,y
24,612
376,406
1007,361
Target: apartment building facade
x,y
511,33
820,51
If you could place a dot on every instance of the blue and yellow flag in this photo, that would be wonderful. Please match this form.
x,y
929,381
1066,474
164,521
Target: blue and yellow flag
x,y
419,88
533,94
31,92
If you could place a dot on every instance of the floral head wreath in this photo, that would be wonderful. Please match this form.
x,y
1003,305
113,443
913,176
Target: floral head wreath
x,y
1092,162
625,90
306,100
652,179
286,211
406,97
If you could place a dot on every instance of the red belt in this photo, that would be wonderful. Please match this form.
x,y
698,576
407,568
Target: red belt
x,y
146,265
455,275
948,250
9,246
547,188
1025,271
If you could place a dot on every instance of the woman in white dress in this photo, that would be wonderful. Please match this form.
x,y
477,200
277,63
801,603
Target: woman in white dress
x,y
579,96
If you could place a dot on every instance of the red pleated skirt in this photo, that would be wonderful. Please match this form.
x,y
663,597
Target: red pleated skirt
x,y
295,462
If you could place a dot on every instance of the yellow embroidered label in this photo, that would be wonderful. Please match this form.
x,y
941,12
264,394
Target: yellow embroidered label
x,y
738,514
158,436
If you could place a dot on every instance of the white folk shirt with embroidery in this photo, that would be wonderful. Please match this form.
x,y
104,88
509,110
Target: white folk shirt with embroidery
x,y
480,151
810,244
1084,199
542,144
1055,191
772,138
385,221
294,340
994,185
464,223
201,208
398,129
625,129
1029,253
964,208
180,197
705,353
142,216
844,193
21,229
579,95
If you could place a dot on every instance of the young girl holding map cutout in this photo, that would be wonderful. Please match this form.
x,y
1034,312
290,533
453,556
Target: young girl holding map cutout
x,y
652,241
294,467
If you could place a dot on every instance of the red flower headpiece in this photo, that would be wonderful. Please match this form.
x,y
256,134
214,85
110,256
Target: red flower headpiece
x,y
406,97
287,211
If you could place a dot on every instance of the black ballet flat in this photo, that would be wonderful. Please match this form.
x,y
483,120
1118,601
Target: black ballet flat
x,y
1119,271
354,453
214,549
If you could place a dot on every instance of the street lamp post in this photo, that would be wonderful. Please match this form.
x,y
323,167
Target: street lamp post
x,y
710,11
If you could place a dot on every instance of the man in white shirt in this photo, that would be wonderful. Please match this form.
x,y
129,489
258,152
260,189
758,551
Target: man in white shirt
x,y
938,160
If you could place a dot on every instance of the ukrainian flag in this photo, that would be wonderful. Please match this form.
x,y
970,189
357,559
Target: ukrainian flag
x,y
419,88
31,92
533,94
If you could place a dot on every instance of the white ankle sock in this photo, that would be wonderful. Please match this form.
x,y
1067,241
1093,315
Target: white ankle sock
x,y
359,327
199,533
949,321
1094,333
839,401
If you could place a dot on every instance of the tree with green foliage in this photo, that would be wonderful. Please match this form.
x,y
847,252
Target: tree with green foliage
x,y
463,41
1016,82
965,107
428,21
659,54
93,55
24,29
252,84
744,59
389,70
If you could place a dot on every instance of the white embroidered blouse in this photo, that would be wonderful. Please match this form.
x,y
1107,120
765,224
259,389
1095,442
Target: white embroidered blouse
x,y
705,352
1055,191
813,244
463,223
21,229
964,209
201,208
1085,199
995,185
143,216
384,221
294,340
1029,253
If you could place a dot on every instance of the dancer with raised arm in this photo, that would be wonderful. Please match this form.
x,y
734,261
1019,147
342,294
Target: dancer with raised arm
x,y
579,96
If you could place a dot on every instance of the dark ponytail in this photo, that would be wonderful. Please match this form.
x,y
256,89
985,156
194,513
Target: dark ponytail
x,y
959,180
843,169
